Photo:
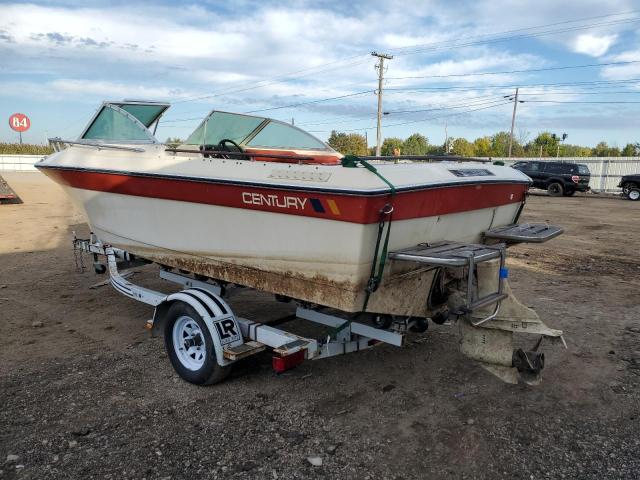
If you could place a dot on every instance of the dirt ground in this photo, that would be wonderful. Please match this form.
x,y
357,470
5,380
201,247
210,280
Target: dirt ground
x,y
86,392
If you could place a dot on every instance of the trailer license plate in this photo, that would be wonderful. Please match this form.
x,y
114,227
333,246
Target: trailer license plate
x,y
228,330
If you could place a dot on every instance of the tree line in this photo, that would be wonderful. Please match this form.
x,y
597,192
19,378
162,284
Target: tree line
x,y
24,149
545,144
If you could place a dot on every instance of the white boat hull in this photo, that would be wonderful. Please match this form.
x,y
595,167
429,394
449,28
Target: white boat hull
x,y
317,260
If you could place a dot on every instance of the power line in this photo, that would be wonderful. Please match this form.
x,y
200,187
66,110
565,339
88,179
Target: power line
x,y
511,86
441,107
417,121
448,115
473,100
627,92
293,105
516,71
579,101
322,68
287,77
564,22
522,36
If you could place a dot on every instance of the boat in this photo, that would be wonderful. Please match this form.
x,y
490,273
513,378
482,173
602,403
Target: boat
x,y
257,202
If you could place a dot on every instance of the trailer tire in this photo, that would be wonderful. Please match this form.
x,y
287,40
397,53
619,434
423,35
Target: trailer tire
x,y
197,364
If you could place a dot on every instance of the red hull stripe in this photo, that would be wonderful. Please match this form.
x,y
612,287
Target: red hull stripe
x,y
334,206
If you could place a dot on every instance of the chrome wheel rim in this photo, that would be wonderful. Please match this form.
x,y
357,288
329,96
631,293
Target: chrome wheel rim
x,y
634,194
188,343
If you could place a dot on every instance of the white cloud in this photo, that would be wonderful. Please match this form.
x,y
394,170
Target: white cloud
x,y
624,72
83,54
593,45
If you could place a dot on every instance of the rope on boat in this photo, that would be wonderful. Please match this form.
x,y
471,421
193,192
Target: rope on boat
x,y
352,161
379,257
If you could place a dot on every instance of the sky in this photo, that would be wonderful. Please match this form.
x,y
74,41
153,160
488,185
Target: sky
x,y
290,60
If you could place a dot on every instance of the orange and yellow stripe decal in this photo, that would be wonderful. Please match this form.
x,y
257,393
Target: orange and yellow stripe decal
x,y
333,206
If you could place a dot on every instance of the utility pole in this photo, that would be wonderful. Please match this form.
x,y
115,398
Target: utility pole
x,y
380,67
513,121
446,139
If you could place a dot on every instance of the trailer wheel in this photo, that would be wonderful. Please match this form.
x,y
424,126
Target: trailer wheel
x,y
634,194
190,346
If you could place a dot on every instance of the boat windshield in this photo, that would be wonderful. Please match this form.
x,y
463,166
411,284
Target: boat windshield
x,y
253,132
124,122
221,125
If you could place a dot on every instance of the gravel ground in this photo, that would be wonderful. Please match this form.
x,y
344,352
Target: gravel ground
x,y
86,392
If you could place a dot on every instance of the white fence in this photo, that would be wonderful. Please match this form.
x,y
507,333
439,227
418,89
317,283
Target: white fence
x,y
19,162
605,171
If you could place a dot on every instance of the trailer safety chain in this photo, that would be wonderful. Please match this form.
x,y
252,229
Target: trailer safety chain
x,y
78,257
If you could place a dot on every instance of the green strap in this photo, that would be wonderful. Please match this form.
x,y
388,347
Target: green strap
x,y
379,261
351,161
379,257
376,277
377,265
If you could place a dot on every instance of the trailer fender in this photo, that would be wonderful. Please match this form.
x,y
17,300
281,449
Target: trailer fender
x,y
218,316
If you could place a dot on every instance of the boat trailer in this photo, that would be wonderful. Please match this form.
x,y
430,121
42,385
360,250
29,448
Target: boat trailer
x,y
197,320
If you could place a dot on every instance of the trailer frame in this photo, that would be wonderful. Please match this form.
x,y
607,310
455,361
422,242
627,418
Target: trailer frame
x,y
247,337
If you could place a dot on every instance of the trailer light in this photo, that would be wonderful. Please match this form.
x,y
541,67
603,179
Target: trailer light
x,y
575,178
283,363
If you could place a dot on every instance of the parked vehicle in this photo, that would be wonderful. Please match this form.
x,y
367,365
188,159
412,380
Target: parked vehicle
x,y
630,185
557,178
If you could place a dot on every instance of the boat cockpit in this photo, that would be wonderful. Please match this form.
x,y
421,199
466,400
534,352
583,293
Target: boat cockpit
x,y
248,135
219,135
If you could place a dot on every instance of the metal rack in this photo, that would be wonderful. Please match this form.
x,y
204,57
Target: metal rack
x,y
454,254
527,232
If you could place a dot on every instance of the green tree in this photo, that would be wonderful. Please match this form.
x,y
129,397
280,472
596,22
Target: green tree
x,y
24,149
602,149
482,146
574,151
173,142
389,144
631,150
548,142
500,144
348,143
416,144
463,148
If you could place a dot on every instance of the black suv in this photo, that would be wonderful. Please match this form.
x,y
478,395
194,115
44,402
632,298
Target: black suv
x,y
557,178
630,185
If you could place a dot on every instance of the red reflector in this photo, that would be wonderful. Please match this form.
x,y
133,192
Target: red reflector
x,y
575,178
282,364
